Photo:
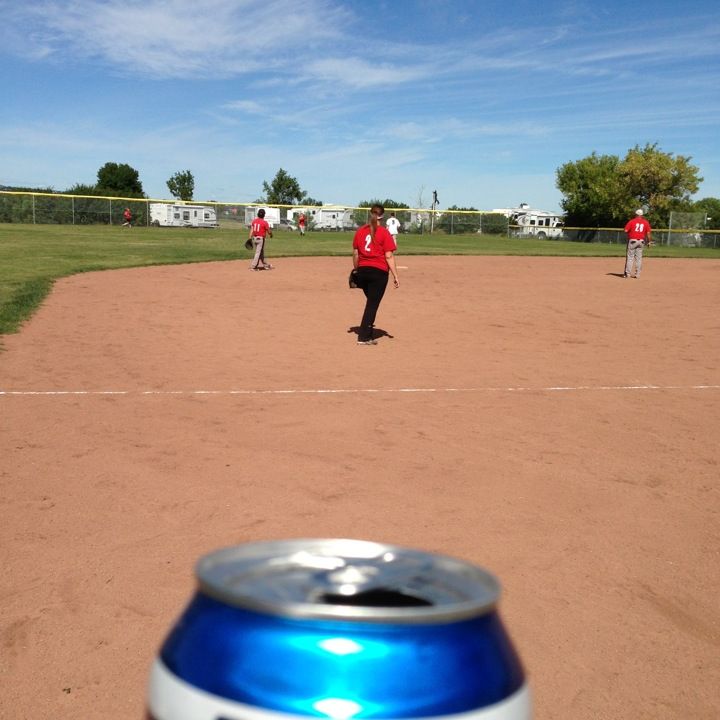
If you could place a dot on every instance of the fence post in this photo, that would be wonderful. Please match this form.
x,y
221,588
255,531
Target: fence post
x,y
33,207
110,202
72,205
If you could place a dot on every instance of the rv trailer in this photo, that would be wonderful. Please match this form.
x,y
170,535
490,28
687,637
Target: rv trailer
x,y
272,214
329,217
525,221
182,215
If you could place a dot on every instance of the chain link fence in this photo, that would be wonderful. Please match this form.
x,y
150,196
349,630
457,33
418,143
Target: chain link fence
x,y
46,209
681,237
59,209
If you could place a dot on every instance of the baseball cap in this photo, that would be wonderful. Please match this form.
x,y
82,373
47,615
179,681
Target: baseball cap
x,y
638,212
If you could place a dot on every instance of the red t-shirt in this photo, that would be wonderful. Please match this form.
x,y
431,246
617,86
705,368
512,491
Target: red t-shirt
x,y
301,221
371,253
637,228
259,227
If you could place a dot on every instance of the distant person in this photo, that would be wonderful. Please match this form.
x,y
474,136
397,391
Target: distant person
x,y
639,234
259,232
393,226
301,223
127,216
373,248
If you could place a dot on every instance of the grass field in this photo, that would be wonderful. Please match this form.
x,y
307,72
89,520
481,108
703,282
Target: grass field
x,y
32,257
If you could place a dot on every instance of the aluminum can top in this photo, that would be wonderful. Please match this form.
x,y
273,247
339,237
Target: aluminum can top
x,y
347,580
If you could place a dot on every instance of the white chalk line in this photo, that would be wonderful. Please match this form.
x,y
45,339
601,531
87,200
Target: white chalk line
x,y
359,391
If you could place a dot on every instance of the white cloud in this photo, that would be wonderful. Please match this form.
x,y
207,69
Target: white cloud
x,y
176,38
449,128
251,107
354,72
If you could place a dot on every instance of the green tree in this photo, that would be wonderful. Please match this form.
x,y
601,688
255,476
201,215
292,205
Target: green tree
x,y
360,217
592,190
494,224
455,223
182,185
658,181
603,191
119,179
711,207
17,188
87,209
83,189
283,190
16,208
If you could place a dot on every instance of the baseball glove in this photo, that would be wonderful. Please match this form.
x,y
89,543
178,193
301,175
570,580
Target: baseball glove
x,y
249,244
353,279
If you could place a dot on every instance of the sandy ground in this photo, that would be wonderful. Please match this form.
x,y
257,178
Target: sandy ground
x,y
562,432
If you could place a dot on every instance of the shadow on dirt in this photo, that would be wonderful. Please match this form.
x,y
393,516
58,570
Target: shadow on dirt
x,y
377,332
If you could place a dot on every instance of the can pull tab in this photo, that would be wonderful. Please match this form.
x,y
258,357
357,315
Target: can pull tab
x,y
360,586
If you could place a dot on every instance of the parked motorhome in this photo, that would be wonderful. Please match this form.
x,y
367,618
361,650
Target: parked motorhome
x,y
529,221
182,215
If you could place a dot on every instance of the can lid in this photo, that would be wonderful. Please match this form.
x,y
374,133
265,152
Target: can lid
x,y
346,579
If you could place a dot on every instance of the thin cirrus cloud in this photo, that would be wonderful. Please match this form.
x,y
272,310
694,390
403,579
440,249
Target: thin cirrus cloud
x,y
447,129
249,107
173,38
356,72
215,39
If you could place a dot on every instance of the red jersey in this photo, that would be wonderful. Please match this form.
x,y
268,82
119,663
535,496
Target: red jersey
x,y
301,221
127,215
371,253
637,228
259,227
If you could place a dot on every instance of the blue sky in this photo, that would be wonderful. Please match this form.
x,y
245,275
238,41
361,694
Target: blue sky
x,y
481,101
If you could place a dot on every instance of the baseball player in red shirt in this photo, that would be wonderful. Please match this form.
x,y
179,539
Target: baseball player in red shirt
x,y
638,232
373,248
301,223
259,231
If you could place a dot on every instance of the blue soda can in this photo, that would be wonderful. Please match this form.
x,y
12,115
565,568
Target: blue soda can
x,y
341,629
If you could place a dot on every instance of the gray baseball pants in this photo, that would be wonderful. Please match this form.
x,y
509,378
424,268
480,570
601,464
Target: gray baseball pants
x,y
259,259
634,253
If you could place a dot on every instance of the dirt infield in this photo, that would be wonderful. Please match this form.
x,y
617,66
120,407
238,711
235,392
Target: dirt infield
x,y
541,417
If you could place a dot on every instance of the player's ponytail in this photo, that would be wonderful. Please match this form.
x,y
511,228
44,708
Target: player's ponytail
x,y
375,218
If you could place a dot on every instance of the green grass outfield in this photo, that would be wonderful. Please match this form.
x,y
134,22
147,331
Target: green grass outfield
x,y
32,257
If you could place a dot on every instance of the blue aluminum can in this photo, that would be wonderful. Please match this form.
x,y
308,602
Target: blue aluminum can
x,y
341,629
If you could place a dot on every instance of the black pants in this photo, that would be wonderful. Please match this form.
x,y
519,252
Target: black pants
x,y
373,282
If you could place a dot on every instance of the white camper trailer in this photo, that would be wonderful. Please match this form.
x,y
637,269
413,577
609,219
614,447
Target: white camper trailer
x,y
182,215
272,214
327,217
528,221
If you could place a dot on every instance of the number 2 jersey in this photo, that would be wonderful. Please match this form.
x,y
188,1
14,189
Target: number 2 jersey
x,y
371,253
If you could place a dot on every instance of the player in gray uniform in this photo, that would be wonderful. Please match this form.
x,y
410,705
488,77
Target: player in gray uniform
x,y
638,232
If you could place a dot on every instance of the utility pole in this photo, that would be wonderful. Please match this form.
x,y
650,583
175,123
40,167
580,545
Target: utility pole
x,y
432,213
